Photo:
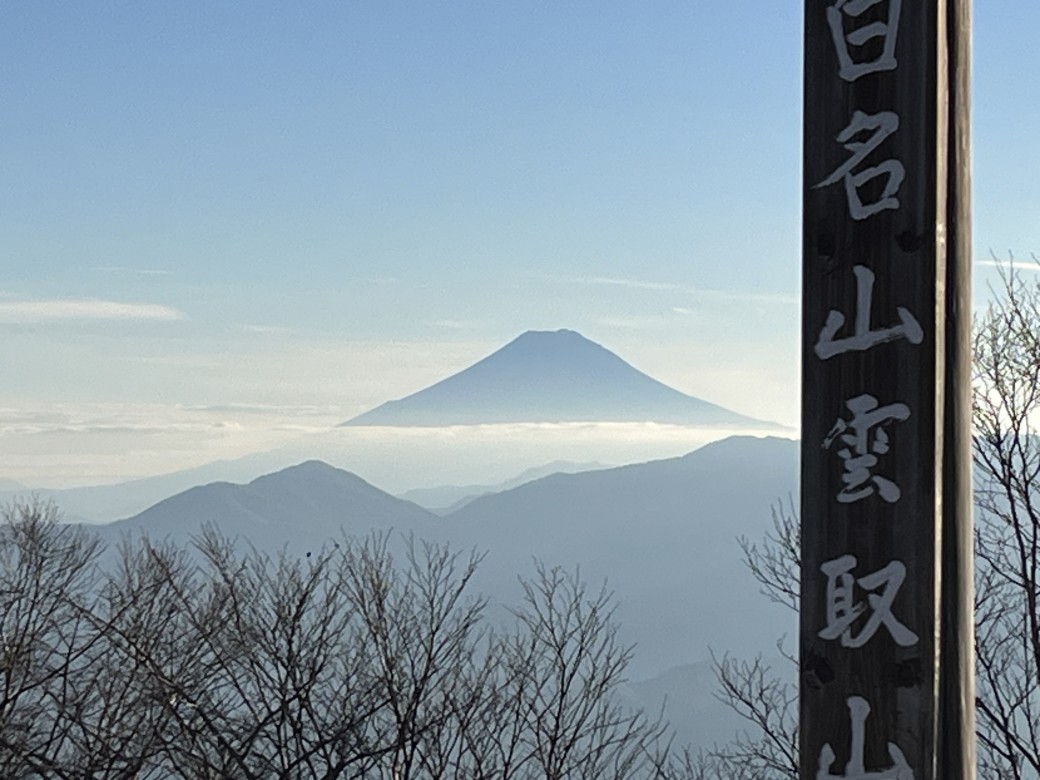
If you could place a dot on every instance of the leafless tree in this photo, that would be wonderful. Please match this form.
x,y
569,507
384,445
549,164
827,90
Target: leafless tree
x,y
701,765
264,676
768,701
423,629
765,697
55,704
161,661
1007,538
1007,549
566,664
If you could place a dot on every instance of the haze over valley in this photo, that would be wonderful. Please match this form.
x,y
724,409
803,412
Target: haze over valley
x,y
526,393
659,532
520,279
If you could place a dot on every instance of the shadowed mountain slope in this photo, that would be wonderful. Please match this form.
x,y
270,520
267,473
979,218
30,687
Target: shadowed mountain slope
x,y
304,505
663,533
111,502
550,376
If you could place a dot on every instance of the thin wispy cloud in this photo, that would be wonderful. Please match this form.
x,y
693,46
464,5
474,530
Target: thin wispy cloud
x,y
120,269
85,309
726,296
1031,264
636,284
287,410
456,324
267,329
634,322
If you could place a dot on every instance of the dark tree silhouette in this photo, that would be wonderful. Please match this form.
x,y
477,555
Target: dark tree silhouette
x,y
1006,451
158,661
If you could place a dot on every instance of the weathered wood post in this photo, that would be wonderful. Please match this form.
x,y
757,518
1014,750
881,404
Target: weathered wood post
x,y
886,640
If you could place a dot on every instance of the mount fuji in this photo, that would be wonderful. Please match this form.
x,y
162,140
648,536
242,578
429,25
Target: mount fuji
x,y
551,376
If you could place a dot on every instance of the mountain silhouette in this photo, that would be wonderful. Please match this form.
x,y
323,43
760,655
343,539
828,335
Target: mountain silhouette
x,y
305,505
663,533
445,499
550,376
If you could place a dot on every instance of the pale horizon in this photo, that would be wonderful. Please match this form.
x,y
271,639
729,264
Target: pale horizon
x,y
228,229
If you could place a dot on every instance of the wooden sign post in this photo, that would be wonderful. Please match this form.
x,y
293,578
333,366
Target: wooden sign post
x,y
886,628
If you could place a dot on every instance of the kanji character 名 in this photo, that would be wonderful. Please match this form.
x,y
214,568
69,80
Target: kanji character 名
x,y
881,126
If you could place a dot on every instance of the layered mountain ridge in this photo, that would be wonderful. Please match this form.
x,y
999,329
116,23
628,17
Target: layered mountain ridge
x,y
662,533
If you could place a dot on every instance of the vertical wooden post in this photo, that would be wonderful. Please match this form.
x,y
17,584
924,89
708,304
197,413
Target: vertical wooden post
x,y
885,637
957,650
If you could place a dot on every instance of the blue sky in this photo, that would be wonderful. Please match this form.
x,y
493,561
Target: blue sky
x,y
224,223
